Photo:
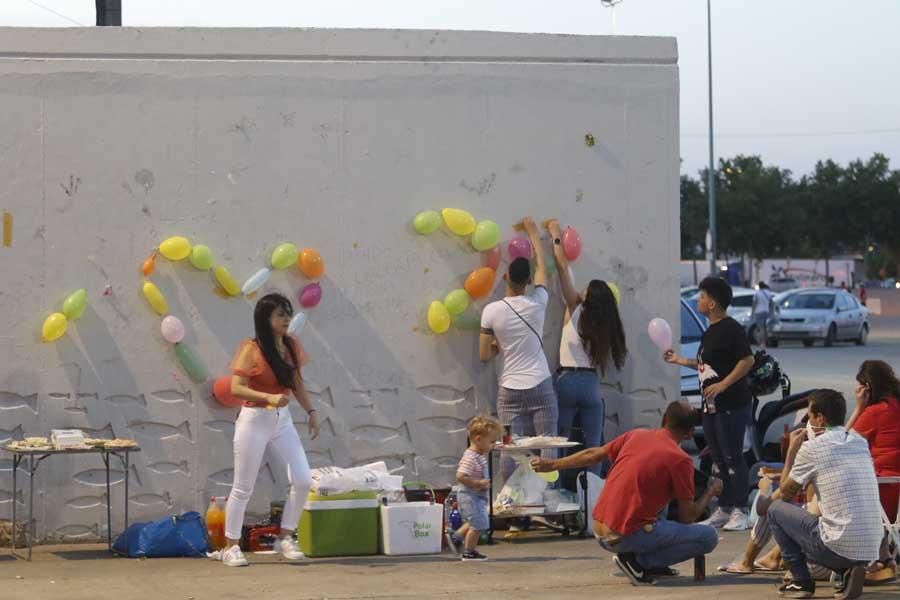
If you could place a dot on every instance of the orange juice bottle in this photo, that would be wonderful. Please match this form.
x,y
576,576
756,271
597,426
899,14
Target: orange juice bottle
x,y
215,524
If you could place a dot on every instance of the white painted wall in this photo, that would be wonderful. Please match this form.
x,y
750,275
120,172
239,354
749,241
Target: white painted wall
x,y
113,139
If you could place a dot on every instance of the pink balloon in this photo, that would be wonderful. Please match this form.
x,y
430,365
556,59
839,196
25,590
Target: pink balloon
x,y
222,393
520,247
172,329
491,258
660,333
311,295
571,243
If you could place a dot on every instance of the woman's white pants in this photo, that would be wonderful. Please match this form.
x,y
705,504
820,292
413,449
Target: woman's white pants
x,y
257,429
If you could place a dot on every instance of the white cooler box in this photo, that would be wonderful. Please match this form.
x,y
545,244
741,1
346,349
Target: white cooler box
x,y
412,528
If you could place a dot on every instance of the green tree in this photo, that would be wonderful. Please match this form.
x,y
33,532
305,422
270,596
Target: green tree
x,y
694,218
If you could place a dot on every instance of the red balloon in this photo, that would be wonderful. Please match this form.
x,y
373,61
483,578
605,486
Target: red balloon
x,y
571,243
222,392
491,258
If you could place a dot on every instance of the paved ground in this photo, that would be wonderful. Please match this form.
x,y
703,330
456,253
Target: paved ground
x,y
541,567
836,367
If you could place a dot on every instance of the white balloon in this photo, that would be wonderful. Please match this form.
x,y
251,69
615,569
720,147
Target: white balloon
x,y
256,281
661,334
297,323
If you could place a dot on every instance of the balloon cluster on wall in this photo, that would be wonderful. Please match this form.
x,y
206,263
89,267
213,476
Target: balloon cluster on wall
x,y
178,248
485,238
56,324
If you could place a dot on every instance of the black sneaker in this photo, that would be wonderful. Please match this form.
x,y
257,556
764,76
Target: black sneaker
x,y
473,555
633,570
662,572
849,584
454,542
798,589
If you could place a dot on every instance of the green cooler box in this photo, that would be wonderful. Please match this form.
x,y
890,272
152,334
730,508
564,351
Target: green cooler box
x,y
339,525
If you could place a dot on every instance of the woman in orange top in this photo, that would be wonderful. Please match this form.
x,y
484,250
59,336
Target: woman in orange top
x,y
265,370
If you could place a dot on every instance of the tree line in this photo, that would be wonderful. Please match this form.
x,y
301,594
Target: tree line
x,y
764,211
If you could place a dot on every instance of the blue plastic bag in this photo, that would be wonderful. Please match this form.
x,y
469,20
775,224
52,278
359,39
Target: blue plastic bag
x,y
173,536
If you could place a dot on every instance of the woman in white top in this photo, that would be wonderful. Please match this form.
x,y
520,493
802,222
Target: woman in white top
x,y
592,338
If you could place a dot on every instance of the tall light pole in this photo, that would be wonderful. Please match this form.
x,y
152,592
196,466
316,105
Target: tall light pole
x,y
711,184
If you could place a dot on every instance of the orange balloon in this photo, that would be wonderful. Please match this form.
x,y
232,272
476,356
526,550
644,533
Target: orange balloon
x,y
480,282
311,263
149,264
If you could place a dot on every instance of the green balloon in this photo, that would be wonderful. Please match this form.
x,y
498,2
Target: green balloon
x,y
74,305
201,257
467,322
284,255
457,301
427,221
191,363
485,236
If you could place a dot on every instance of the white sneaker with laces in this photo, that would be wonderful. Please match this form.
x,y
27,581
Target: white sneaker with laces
x,y
233,557
287,547
738,521
718,518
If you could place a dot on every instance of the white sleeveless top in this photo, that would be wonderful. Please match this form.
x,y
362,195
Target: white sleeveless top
x,y
571,348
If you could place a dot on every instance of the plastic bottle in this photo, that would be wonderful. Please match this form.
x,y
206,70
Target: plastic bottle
x,y
215,524
455,517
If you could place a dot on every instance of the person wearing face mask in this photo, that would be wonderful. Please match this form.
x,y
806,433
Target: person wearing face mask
x,y
847,535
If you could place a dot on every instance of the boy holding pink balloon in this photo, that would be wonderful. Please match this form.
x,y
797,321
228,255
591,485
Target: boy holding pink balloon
x,y
723,362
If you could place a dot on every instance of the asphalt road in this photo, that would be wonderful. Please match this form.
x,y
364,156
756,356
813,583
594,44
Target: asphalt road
x,y
836,367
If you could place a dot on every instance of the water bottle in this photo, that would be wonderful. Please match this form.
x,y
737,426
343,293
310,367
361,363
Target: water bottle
x,y
455,517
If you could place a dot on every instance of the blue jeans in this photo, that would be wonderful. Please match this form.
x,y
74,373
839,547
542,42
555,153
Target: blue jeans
x,y
724,432
667,543
474,510
797,534
579,393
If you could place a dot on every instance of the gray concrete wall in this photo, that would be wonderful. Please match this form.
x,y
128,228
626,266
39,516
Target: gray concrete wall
x,y
114,139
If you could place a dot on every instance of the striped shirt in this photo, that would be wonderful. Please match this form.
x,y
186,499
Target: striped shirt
x,y
474,465
839,464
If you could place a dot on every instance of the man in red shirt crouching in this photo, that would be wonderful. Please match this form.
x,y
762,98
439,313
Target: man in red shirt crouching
x,y
649,470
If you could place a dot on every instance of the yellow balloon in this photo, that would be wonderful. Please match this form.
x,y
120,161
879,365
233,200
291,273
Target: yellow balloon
x,y
175,248
615,292
54,327
459,221
438,317
155,298
549,476
228,283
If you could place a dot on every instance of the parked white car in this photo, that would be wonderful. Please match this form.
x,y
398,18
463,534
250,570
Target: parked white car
x,y
824,314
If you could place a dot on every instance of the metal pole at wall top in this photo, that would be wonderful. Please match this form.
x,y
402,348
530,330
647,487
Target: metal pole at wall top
x,y
711,184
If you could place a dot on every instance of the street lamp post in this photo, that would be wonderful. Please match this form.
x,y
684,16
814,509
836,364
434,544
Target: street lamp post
x,y
711,184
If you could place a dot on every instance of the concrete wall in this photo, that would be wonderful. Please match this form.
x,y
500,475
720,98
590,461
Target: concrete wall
x,y
113,139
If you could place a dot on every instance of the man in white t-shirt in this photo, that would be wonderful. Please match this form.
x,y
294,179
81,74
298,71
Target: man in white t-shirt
x,y
526,401
849,531
759,313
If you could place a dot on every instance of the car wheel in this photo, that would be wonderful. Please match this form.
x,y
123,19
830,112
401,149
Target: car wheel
x,y
832,336
809,343
751,335
863,335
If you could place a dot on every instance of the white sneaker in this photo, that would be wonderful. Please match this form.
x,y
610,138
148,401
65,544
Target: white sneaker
x,y
287,547
233,557
738,521
718,518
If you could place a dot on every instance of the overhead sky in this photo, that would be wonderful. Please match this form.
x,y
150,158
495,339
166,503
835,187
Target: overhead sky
x,y
794,81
